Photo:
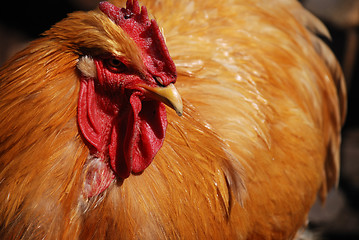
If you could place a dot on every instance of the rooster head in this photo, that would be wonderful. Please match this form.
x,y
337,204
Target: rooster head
x,y
121,112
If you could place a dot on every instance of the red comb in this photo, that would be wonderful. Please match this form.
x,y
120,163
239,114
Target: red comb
x,y
146,34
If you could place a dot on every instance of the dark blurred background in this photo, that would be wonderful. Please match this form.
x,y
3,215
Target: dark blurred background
x,y
339,218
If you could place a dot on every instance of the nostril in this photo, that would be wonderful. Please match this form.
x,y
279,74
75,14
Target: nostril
x,y
159,81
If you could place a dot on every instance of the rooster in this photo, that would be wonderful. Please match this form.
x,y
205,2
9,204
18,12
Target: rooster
x,y
90,147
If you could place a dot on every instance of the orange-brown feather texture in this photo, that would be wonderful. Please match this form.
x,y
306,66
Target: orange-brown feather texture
x,y
264,100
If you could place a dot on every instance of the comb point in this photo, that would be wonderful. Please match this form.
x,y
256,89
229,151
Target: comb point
x,y
133,6
144,14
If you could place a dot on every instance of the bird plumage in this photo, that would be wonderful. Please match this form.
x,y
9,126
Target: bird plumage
x,y
264,101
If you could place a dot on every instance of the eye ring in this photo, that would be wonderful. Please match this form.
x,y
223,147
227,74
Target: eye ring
x,y
115,65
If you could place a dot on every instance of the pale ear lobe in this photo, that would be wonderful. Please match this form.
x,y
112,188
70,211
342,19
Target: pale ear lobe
x,y
87,66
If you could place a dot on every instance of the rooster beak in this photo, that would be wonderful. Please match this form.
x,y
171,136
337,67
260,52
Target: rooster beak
x,y
168,95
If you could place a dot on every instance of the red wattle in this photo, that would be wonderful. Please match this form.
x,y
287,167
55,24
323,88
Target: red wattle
x,y
135,142
125,131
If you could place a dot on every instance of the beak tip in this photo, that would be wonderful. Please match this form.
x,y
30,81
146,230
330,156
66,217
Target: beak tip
x,y
179,113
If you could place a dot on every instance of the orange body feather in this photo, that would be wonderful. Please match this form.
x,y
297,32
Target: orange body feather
x,y
264,101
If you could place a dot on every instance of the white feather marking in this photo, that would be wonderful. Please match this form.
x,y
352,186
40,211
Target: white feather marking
x,y
87,66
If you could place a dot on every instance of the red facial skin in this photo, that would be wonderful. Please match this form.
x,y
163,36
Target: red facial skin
x,y
121,124
118,119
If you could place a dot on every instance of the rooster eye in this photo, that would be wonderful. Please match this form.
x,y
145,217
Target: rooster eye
x,y
115,65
